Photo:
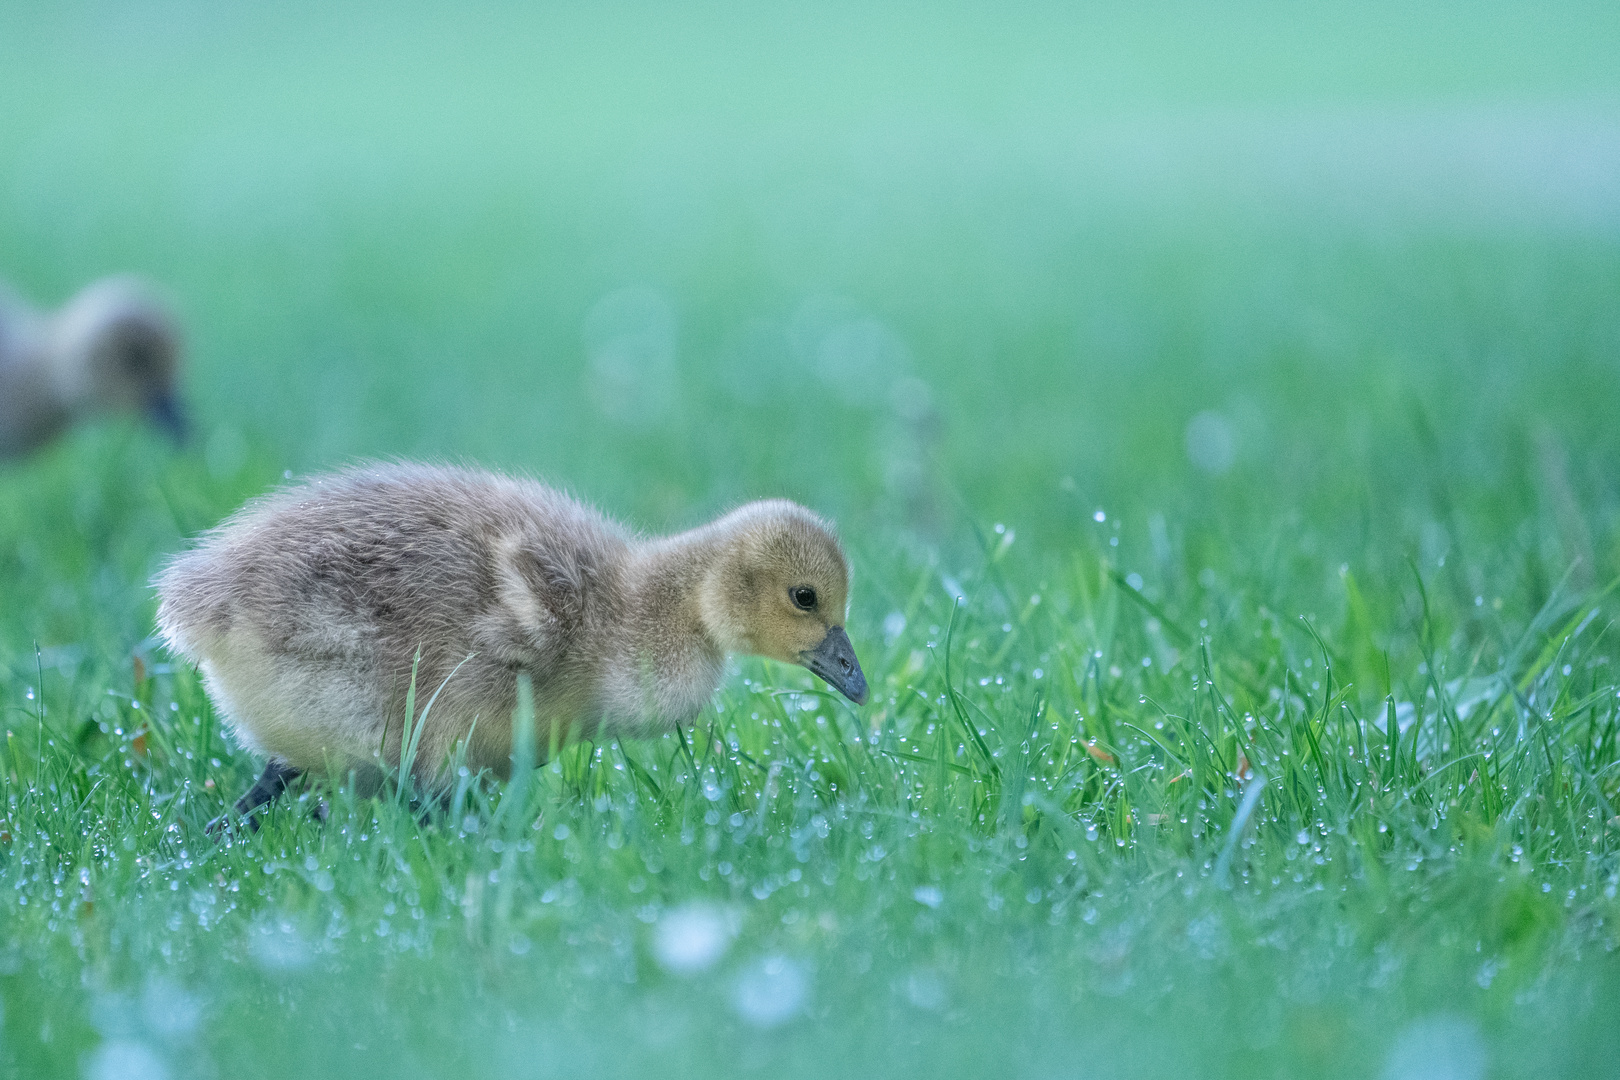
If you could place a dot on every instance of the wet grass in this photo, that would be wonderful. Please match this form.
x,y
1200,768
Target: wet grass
x,y
1235,583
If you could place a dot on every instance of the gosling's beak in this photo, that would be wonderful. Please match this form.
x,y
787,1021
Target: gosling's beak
x,y
834,660
164,410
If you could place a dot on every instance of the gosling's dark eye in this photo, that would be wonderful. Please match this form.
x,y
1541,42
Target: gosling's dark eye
x,y
804,597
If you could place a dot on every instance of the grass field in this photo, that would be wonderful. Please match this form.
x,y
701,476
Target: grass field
x,y
1218,406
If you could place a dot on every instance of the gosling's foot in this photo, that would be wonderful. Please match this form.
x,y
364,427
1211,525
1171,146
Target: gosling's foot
x,y
230,821
271,783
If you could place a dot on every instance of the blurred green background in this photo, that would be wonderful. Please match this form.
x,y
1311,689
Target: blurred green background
x,y
1257,303
423,230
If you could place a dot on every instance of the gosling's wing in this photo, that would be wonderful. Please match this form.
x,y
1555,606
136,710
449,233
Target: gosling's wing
x,y
384,561
552,575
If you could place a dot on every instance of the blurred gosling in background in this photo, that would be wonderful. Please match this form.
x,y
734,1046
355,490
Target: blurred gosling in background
x,y
112,348
313,609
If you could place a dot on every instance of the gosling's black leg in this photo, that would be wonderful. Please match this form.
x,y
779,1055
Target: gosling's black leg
x,y
271,783
429,805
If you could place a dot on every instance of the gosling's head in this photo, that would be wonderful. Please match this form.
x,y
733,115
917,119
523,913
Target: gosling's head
x,y
115,348
780,588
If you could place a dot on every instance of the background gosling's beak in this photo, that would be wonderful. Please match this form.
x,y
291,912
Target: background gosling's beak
x,y
164,411
834,660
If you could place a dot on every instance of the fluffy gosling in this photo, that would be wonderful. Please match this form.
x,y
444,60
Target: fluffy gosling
x,y
307,610
111,348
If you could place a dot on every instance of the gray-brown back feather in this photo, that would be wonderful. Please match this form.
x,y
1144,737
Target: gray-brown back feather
x,y
364,569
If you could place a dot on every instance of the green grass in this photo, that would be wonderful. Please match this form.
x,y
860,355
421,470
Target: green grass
x,y
982,288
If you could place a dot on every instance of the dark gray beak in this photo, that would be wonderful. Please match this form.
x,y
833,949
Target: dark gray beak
x,y
834,660
165,412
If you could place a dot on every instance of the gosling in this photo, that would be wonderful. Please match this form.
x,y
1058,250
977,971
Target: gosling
x,y
111,348
314,610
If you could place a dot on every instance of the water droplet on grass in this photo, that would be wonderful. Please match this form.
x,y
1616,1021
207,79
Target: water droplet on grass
x,y
630,342
771,991
691,938
1211,445
278,946
894,624
1438,1048
125,1059
926,990
168,1010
